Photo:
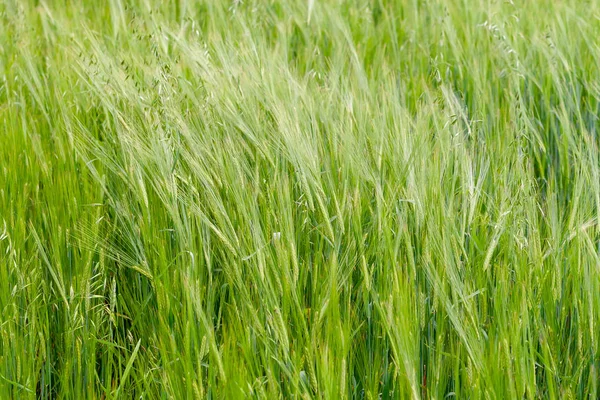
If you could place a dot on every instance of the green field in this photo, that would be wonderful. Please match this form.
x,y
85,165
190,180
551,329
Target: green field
x,y
298,199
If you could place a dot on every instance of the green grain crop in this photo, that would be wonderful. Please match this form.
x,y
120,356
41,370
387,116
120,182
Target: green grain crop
x,y
299,199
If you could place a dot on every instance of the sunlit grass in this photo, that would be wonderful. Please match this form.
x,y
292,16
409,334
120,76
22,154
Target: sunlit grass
x,y
299,199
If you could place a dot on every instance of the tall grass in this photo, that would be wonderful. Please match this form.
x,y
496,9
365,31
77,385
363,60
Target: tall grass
x,y
299,199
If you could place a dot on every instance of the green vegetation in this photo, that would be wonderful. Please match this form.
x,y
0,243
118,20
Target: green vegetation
x,y
299,199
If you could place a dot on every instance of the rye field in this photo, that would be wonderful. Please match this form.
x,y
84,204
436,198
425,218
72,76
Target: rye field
x,y
299,199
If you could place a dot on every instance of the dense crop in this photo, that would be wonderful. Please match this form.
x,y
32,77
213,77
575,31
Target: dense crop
x,y
299,199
